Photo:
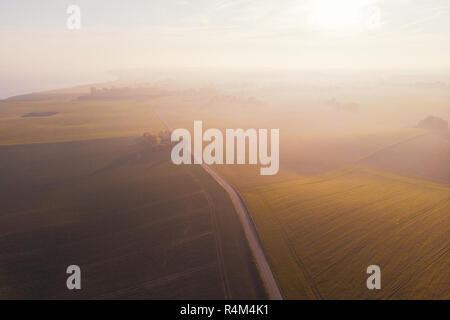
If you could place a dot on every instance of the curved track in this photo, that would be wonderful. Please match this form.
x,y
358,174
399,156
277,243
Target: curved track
x,y
266,274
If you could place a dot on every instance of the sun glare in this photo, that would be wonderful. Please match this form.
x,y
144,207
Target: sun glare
x,y
341,17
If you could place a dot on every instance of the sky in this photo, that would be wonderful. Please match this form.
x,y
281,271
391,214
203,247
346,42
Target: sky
x,y
38,49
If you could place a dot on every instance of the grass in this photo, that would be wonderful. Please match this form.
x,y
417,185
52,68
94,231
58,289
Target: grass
x,y
322,233
76,120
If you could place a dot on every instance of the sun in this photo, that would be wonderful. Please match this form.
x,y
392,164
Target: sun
x,y
341,17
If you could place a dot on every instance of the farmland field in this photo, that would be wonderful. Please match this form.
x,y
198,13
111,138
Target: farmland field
x,y
321,234
77,188
225,149
138,226
76,119
349,194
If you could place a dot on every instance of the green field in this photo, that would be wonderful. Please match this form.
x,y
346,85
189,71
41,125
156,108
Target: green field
x,y
76,119
322,233
329,214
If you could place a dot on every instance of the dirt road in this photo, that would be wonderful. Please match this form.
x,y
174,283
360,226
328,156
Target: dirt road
x,y
266,274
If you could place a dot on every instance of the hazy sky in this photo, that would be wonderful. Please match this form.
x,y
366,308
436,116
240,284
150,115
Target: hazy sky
x,y
36,46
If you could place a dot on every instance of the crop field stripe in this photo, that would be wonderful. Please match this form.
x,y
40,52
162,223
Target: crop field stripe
x,y
217,240
320,221
155,282
251,234
307,280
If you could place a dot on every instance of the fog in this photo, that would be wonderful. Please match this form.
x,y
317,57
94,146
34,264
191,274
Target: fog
x,y
39,52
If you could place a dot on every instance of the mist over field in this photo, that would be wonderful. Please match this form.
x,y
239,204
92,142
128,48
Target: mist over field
x,y
358,89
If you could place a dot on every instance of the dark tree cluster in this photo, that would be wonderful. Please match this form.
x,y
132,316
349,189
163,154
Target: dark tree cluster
x,y
150,143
